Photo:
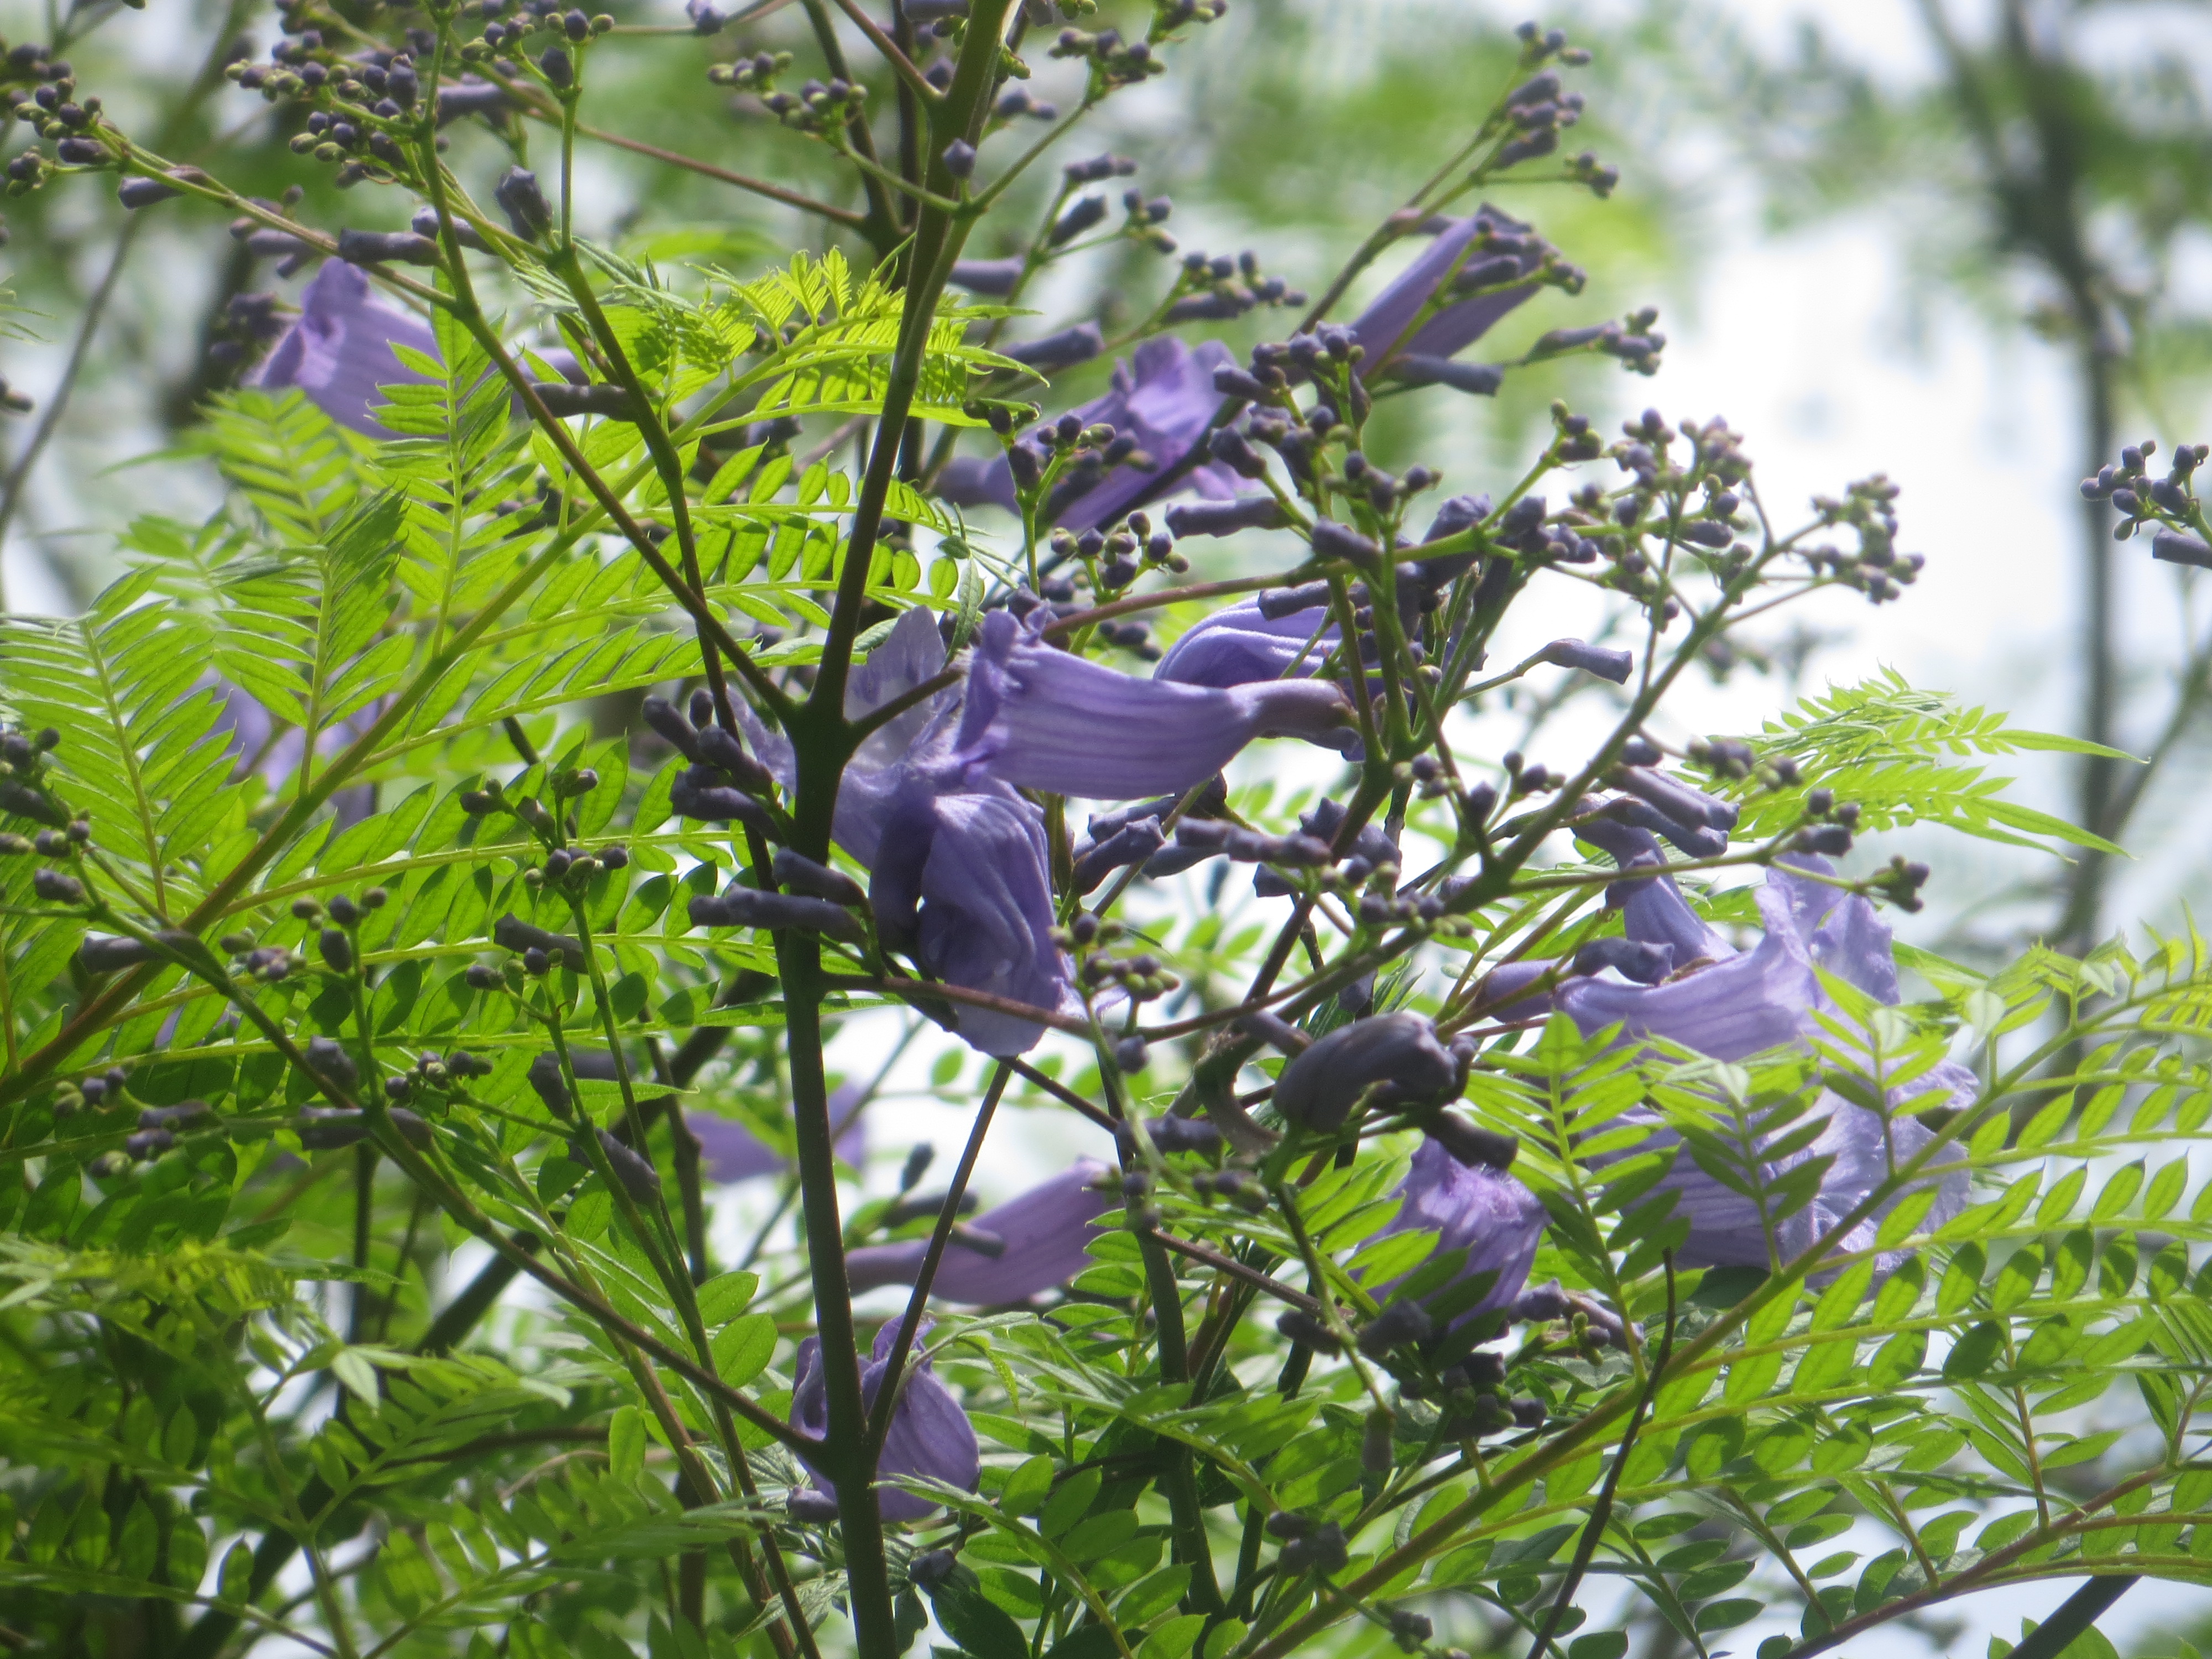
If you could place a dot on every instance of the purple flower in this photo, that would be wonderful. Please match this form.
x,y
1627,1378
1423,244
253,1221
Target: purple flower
x,y
929,1435
1398,1051
962,873
1765,998
1042,719
1164,400
1510,250
1475,1208
339,351
729,1151
1241,645
1045,1236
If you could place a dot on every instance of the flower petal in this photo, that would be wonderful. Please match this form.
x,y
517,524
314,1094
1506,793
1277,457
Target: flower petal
x,y
1047,1231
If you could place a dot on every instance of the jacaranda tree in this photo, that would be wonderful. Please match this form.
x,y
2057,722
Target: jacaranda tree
x,y
1525,1195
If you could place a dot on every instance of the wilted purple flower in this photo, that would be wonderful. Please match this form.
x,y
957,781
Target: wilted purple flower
x,y
1043,718
1764,999
1241,645
1512,251
1164,400
339,351
929,1434
1045,1234
1398,1051
729,1151
1475,1208
961,869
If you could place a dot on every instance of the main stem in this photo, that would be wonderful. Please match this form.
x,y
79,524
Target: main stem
x,y
821,742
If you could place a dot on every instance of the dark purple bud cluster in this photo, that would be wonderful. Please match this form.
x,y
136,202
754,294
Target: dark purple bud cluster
x,y
98,1092
1219,288
1829,828
1899,881
1115,61
1014,102
1323,1548
511,932
323,1129
24,791
756,73
709,789
2166,507
1537,113
818,106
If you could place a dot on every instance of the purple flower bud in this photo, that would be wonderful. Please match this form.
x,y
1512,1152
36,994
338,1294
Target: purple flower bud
x,y
1064,349
1046,1233
668,721
336,950
1235,451
53,887
470,97
425,224
557,67
719,748
929,1435
1646,963
800,874
1399,1052
699,793
1332,540
519,197
369,247
108,955
1417,368
634,1170
1133,843
135,193
992,278
148,1143
510,932
959,158
1225,518
1676,799
323,1129
1607,665
744,906
1088,211
2175,548
1218,307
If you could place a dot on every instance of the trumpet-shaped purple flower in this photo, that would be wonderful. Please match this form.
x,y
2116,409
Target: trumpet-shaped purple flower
x,y
1241,645
1475,1208
929,1433
339,351
1163,399
960,872
729,1151
1508,252
1042,719
1763,998
1044,1236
